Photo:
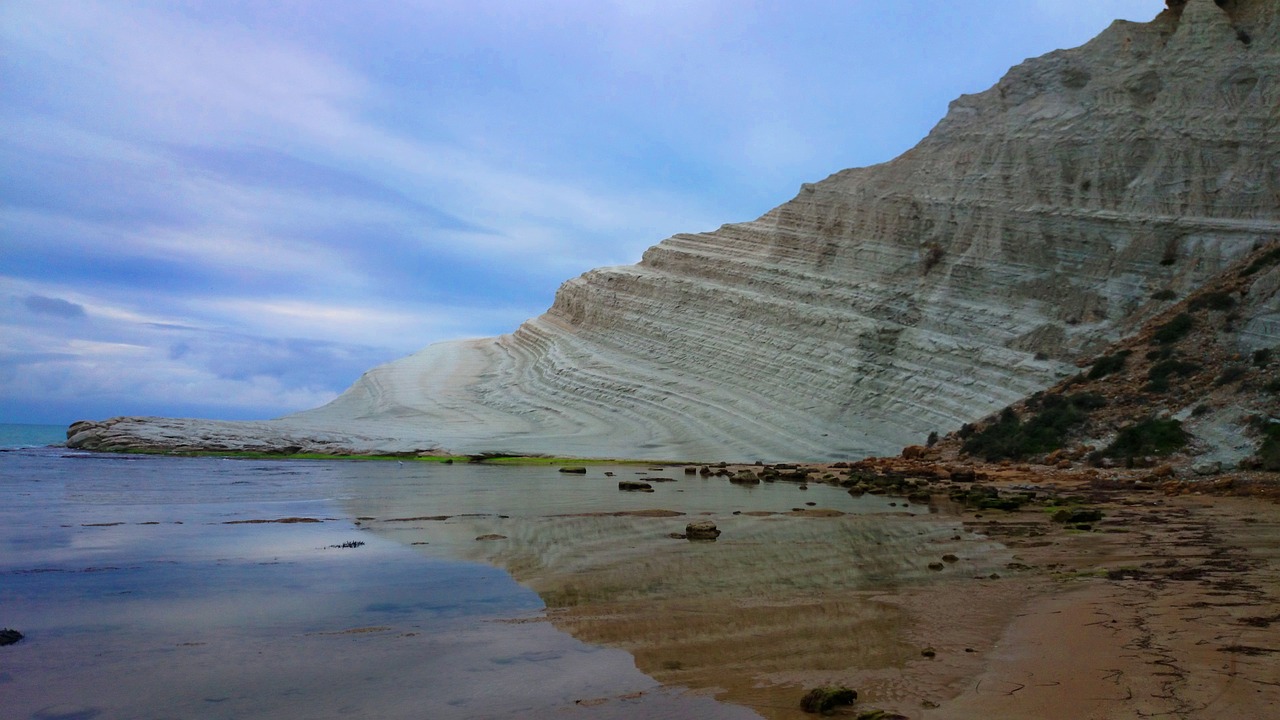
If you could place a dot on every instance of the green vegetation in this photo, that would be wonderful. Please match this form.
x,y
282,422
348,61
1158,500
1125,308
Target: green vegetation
x,y
1174,330
1010,437
1270,258
1153,436
1108,364
539,460
985,497
1261,357
251,455
1273,386
1230,374
1158,375
487,459
1076,515
1164,295
1269,448
825,699
1213,301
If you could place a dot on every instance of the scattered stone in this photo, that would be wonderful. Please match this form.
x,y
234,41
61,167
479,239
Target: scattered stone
x,y
935,566
879,715
825,699
928,652
1076,516
702,530
575,470
914,452
691,470
492,536
1207,468
9,636
950,558
634,486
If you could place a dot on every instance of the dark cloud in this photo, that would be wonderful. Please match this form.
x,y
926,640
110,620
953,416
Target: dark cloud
x,y
57,307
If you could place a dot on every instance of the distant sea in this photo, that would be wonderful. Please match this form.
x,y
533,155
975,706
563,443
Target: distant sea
x,y
26,436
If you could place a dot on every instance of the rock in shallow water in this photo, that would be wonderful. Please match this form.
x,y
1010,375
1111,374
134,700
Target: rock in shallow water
x,y
702,530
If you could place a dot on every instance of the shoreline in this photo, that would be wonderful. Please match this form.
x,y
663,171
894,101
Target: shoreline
x,y
1163,606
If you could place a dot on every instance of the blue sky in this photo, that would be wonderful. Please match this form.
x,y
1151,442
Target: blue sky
x,y
231,208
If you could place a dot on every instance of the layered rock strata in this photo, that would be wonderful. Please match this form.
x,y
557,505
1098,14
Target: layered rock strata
x,y
1029,229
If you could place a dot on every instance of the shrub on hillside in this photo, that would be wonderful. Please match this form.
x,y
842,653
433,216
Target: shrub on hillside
x,y
1153,436
1269,448
1158,375
1230,374
1108,364
1214,301
1174,330
1010,437
1270,258
1164,295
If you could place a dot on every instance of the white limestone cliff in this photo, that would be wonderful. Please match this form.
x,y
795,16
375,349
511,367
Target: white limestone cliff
x,y
1029,229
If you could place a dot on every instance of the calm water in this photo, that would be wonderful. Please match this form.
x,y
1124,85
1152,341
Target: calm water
x,y
141,596
24,436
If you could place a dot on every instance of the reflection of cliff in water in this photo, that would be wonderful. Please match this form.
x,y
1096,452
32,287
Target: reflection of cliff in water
x,y
780,599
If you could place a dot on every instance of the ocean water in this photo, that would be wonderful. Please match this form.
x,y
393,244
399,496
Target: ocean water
x,y
157,587
14,436
151,587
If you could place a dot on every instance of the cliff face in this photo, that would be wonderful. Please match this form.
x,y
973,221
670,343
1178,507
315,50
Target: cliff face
x,y
1027,231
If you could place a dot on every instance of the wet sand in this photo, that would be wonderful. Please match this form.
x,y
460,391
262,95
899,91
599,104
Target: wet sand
x,y
1168,606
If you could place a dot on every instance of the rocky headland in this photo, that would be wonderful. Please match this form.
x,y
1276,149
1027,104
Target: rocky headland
x,y
1042,220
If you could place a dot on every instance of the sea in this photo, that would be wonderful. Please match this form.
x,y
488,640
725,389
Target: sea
x,y
165,587
205,587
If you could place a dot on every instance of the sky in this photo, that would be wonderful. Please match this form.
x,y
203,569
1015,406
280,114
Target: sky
x,y
231,209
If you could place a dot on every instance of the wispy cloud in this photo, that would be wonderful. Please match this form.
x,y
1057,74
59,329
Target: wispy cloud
x,y
250,203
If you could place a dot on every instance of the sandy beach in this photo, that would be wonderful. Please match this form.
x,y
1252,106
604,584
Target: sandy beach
x,y
1167,606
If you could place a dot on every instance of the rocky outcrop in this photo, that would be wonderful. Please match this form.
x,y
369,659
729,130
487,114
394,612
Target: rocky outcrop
x,y
1028,230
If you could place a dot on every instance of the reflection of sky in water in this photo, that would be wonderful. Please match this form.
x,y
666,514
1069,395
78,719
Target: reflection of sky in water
x,y
192,617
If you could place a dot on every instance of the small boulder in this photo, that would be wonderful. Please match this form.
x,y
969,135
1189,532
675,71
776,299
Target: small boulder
x,y
1207,468
634,486
702,530
9,636
492,536
826,699
574,470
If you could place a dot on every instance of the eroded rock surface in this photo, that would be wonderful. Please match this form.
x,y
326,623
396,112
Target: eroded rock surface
x,y
1029,229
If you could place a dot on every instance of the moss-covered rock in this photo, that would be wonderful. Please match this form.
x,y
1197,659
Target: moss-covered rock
x,y
826,699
